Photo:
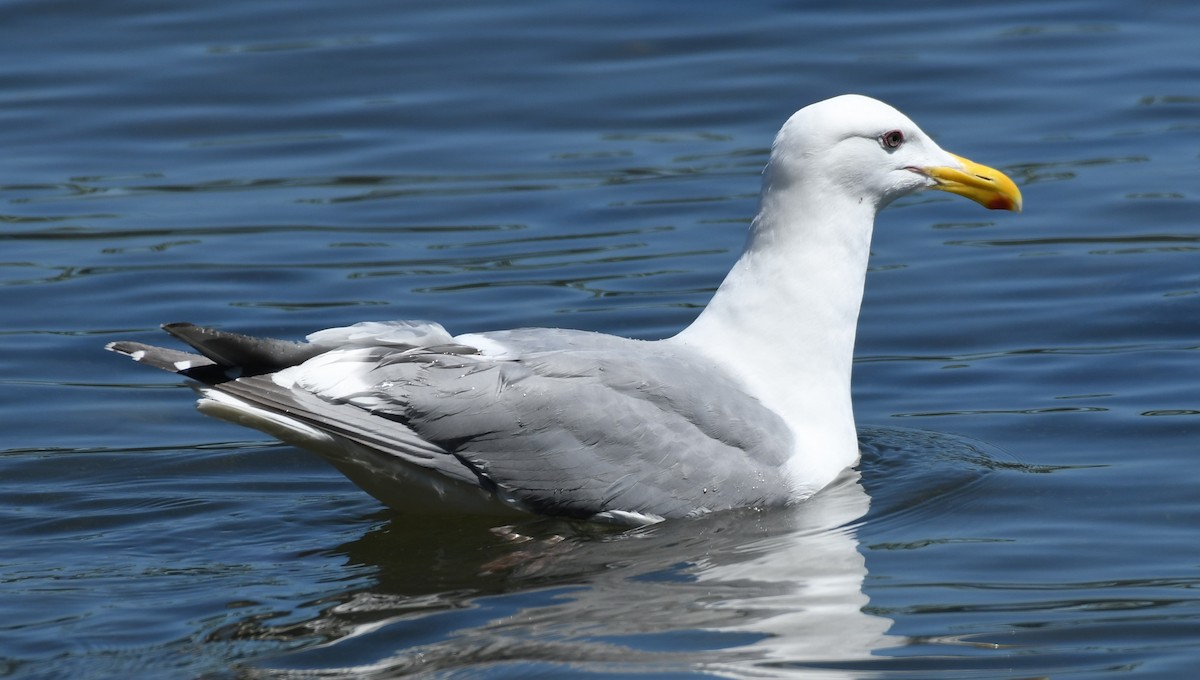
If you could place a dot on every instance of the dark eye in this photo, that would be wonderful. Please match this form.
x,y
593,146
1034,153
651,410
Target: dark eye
x,y
892,139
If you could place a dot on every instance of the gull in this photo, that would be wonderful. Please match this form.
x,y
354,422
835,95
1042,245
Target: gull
x,y
749,406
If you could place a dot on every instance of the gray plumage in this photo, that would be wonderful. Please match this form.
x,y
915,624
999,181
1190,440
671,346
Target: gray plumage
x,y
598,427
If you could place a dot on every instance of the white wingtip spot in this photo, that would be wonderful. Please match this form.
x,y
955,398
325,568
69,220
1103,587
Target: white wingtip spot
x,y
137,355
181,365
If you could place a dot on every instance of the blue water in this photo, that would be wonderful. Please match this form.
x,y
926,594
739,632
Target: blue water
x,y
1027,386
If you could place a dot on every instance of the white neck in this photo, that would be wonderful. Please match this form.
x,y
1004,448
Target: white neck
x,y
784,320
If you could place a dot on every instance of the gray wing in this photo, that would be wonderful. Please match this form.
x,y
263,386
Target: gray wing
x,y
560,422
604,425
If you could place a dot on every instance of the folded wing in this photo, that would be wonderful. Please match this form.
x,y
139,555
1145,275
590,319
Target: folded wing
x,y
559,422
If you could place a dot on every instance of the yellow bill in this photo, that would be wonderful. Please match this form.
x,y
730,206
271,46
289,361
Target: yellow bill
x,y
987,186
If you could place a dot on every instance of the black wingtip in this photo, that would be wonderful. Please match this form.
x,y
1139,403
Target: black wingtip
x,y
123,347
249,354
180,325
223,355
170,360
